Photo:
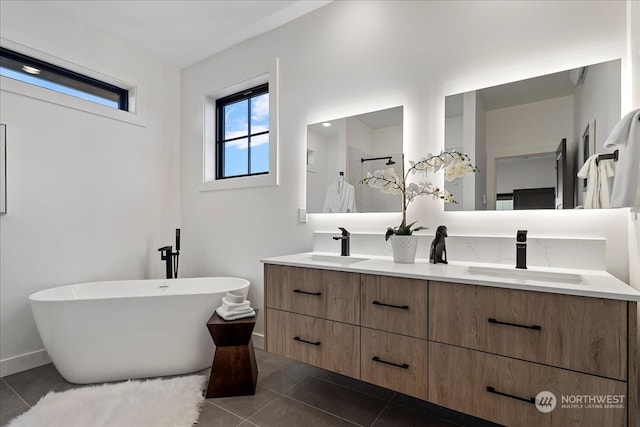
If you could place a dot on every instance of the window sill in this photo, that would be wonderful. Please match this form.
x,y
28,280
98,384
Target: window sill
x,y
46,95
267,180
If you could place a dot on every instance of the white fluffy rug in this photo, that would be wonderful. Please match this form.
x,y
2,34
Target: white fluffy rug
x,y
174,402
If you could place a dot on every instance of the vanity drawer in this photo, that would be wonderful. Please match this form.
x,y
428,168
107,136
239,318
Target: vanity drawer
x,y
394,304
329,345
578,333
460,379
327,294
395,362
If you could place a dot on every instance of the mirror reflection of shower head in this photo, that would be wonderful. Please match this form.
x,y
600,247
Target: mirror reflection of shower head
x,y
389,160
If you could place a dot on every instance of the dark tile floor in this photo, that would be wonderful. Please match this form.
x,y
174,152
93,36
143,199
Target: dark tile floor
x,y
289,393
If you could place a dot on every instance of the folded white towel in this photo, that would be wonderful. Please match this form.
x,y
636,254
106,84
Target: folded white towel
x,y
234,316
229,304
235,311
625,137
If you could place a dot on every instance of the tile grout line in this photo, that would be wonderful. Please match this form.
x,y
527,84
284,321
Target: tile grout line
x,y
17,394
322,410
261,408
226,410
383,409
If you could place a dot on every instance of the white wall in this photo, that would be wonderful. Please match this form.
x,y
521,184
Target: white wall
x,y
592,101
89,197
334,63
532,172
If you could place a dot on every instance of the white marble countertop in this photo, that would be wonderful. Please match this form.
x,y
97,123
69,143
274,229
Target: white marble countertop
x,y
589,283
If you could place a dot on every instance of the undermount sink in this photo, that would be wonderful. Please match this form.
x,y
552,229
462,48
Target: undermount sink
x,y
334,259
533,275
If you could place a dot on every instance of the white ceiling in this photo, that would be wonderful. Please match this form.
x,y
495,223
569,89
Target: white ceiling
x,y
183,31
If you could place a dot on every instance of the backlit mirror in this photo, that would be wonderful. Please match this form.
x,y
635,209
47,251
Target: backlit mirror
x,y
340,152
531,137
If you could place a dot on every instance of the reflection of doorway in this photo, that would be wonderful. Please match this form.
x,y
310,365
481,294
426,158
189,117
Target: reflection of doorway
x,y
525,172
564,178
587,149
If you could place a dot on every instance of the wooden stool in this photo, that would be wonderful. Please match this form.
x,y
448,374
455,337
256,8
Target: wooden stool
x,y
234,371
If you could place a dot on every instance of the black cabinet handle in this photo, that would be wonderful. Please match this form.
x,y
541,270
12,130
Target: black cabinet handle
x,y
298,291
403,307
305,341
531,400
377,359
497,322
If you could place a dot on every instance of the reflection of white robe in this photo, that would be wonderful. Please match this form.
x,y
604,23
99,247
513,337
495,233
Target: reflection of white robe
x,y
340,197
598,175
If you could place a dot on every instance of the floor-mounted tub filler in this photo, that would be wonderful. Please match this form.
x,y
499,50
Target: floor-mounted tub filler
x,y
109,331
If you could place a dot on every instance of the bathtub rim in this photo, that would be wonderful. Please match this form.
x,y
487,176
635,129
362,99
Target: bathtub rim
x,y
48,295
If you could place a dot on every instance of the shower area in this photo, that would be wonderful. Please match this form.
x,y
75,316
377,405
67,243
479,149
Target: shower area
x,y
341,152
371,199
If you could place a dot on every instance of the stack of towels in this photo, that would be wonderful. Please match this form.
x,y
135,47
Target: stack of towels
x,y
235,307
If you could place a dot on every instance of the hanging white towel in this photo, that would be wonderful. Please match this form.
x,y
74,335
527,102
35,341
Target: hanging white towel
x,y
598,175
625,137
340,197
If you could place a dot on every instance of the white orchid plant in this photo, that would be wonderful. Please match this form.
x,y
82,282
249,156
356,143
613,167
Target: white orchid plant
x,y
455,165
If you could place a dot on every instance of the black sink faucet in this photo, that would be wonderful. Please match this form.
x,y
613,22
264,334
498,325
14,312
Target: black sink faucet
x,y
344,241
521,249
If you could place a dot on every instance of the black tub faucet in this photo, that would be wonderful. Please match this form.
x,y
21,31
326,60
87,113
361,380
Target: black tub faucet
x,y
171,258
344,241
521,249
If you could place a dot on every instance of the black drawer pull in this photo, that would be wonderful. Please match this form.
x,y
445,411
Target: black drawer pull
x,y
377,359
298,291
305,341
531,400
534,327
403,307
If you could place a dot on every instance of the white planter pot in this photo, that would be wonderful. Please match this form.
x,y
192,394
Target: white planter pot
x,y
404,248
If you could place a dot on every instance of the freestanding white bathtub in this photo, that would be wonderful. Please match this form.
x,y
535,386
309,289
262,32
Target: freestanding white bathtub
x,y
108,331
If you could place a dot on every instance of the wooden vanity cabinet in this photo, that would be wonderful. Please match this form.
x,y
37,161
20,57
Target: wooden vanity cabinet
x,y
312,315
394,304
492,350
323,343
482,350
393,333
327,294
503,389
573,332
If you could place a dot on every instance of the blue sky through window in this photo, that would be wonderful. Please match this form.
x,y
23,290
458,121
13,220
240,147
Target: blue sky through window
x,y
236,153
36,81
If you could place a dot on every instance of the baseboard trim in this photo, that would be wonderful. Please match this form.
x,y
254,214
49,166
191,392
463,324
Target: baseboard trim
x,y
258,340
13,365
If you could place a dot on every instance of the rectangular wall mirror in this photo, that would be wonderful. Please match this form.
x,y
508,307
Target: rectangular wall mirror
x,y
340,152
530,138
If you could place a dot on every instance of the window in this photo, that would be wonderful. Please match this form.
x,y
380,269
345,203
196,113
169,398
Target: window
x,y
33,71
242,133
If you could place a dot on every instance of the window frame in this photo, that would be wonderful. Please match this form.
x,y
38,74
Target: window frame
x,y
221,103
68,76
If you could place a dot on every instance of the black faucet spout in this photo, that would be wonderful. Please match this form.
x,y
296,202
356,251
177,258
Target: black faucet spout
x,y
344,242
521,249
166,255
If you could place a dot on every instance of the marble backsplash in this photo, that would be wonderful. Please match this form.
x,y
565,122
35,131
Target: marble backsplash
x,y
556,252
